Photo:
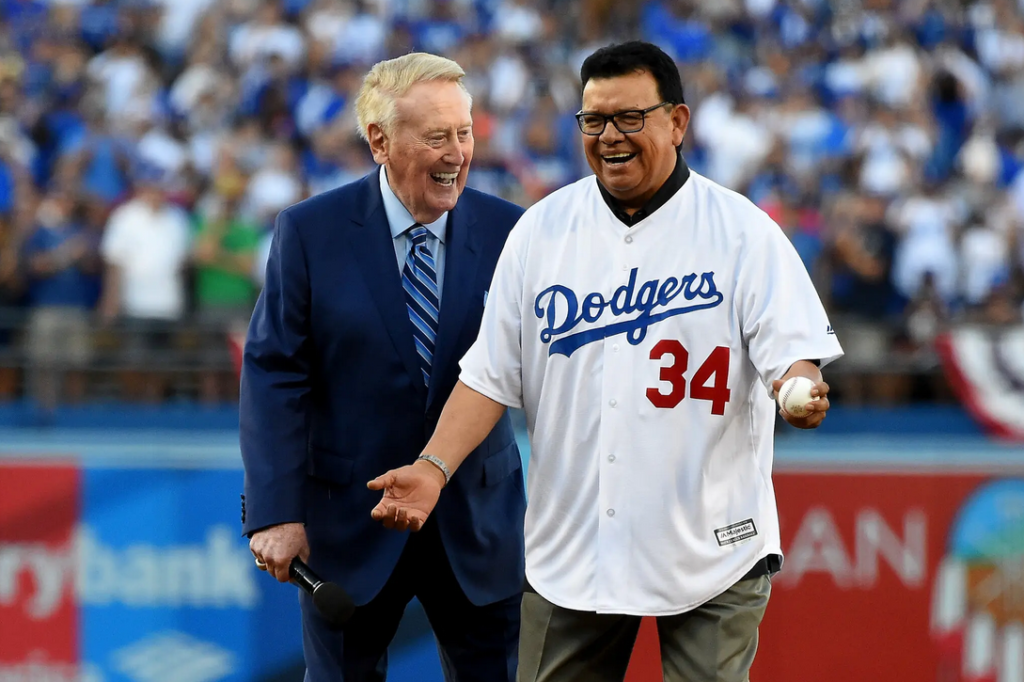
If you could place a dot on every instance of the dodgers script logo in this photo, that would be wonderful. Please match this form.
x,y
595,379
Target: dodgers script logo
x,y
560,305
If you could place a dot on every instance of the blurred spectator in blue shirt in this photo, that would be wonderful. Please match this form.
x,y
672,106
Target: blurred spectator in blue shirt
x,y
336,157
61,256
101,158
951,114
61,263
327,97
677,27
441,31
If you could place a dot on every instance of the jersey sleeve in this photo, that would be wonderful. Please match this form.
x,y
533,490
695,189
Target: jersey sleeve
x,y
781,316
493,364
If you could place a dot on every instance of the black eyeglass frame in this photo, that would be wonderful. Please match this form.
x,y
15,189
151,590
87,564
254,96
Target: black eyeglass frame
x,y
611,117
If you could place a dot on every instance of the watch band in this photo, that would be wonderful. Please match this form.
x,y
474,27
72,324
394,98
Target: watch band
x,y
436,461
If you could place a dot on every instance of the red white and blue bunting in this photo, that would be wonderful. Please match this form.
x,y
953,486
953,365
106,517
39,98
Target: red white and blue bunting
x,y
985,367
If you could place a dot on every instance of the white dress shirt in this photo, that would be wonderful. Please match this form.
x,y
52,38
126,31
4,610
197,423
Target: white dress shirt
x,y
400,220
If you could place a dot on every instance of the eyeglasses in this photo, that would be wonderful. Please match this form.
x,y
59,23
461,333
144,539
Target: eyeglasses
x,y
629,121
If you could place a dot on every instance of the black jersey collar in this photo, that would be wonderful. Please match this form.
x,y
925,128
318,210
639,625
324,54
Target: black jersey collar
x,y
679,176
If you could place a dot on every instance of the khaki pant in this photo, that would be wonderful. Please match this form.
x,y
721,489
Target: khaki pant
x,y
713,643
59,337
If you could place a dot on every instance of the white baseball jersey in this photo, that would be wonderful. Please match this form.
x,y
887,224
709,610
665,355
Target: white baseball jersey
x,y
643,358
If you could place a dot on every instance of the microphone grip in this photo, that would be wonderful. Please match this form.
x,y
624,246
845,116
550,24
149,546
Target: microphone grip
x,y
333,602
303,576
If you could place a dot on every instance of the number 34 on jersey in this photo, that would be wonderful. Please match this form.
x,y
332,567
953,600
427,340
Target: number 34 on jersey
x,y
709,382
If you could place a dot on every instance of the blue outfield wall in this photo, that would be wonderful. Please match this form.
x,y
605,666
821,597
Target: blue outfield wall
x,y
919,420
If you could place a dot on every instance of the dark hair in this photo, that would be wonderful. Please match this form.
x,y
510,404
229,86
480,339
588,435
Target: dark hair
x,y
632,57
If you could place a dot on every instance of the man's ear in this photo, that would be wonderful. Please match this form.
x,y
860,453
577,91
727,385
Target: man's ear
x,y
378,143
680,122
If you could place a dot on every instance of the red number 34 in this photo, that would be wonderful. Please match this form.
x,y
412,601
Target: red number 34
x,y
715,368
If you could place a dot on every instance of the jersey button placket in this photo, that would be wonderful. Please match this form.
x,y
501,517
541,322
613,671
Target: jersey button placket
x,y
613,563
606,540
617,382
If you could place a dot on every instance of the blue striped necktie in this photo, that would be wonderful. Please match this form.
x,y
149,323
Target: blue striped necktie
x,y
419,279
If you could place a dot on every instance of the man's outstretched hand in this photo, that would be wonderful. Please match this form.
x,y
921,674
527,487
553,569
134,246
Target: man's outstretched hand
x,y
410,494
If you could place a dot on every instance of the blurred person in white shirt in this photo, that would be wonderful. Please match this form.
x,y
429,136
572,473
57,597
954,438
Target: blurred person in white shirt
x,y
275,186
267,34
895,72
1001,46
204,96
890,147
145,251
120,70
358,32
804,125
203,92
927,224
519,21
177,20
985,260
509,80
737,143
847,75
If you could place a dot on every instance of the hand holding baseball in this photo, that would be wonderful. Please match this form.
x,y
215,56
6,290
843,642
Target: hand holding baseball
x,y
802,402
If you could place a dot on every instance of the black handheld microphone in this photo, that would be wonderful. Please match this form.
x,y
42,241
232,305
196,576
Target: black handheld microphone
x,y
333,602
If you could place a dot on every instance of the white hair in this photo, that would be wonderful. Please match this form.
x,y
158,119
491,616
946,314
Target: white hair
x,y
388,80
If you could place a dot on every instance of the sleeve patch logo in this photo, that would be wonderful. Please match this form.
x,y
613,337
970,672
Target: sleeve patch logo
x,y
736,532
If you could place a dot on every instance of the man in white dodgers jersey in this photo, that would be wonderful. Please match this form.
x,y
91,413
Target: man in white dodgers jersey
x,y
643,319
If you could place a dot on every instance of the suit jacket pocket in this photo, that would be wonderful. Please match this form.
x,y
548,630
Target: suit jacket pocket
x,y
501,464
330,466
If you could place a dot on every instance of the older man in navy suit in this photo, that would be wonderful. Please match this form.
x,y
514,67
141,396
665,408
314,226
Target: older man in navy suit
x,y
373,293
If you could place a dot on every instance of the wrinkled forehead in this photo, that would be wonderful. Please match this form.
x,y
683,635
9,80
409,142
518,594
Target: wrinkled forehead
x,y
633,91
435,104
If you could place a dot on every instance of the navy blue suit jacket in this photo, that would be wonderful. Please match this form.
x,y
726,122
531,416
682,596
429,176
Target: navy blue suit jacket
x,y
332,394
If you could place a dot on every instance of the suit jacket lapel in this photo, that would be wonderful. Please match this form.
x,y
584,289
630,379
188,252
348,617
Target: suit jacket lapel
x,y
374,250
460,268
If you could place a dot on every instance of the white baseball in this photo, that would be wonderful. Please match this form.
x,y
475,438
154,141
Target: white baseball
x,y
795,394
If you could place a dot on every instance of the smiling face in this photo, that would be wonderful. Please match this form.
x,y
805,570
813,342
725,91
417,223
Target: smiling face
x,y
633,166
428,153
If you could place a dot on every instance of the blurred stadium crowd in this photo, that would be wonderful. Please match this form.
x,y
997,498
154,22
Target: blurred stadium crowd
x,y
146,146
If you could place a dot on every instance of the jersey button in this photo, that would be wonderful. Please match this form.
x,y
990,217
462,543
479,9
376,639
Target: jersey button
x,y
615,347
613,402
611,512
611,458
629,240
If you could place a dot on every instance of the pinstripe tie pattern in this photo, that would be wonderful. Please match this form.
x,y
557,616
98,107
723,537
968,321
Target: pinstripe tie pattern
x,y
419,279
